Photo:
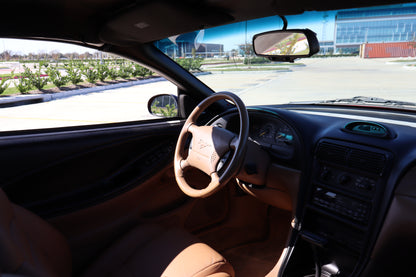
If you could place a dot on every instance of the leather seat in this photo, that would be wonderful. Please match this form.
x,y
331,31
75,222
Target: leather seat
x,y
29,246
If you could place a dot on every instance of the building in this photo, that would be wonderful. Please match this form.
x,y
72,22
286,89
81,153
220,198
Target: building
x,y
326,47
374,25
186,46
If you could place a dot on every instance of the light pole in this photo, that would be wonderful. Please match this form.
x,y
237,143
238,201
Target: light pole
x,y
324,21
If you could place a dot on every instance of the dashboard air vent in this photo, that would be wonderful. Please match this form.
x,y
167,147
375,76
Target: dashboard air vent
x,y
332,153
352,157
368,161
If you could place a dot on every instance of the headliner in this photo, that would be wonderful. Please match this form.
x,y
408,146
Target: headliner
x,y
126,22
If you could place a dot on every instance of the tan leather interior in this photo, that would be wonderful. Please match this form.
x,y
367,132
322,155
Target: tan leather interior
x,y
230,221
154,251
90,231
30,246
210,144
157,200
280,190
227,221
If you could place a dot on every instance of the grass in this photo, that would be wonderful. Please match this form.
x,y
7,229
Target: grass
x,y
13,90
258,65
404,61
221,61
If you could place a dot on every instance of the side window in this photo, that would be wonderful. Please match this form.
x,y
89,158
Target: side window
x,y
46,85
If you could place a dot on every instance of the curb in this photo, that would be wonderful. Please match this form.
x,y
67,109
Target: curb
x,y
19,100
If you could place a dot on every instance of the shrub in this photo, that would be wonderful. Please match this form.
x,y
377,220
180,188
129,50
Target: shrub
x,y
125,70
3,85
185,63
36,79
55,76
169,110
74,73
141,71
112,73
254,60
102,71
24,81
43,63
23,85
90,73
190,63
196,64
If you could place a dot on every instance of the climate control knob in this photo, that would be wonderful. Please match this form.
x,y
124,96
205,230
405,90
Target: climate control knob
x,y
325,174
344,179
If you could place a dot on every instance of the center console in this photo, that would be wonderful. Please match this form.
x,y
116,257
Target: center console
x,y
342,199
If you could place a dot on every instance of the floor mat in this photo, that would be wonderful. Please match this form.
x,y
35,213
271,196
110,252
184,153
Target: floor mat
x,y
258,258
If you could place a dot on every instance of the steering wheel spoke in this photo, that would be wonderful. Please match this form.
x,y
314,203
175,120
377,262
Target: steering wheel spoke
x,y
192,128
184,164
234,143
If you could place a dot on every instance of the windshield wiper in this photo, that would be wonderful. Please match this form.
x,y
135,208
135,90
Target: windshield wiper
x,y
369,100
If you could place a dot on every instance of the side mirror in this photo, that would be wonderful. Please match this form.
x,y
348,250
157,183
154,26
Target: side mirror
x,y
164,105
286,45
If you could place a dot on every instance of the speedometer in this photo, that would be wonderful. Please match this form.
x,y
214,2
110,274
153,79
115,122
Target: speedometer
x,y
266,133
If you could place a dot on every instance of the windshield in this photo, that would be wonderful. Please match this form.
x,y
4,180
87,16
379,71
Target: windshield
x,y
367,56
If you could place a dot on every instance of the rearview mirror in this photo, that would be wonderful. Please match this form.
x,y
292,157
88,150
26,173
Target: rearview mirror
x,y
286,45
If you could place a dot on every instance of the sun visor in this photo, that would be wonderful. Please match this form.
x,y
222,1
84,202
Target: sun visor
x,y
158,20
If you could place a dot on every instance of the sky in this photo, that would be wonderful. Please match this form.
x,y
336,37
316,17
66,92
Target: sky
x,y
19,46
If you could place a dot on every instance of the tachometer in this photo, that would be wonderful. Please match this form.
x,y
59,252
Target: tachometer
x,y
284,136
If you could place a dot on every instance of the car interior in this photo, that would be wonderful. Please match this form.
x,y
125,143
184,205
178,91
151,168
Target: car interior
x,y
332,194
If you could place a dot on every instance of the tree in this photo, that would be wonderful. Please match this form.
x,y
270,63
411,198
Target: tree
x,y
6,55
56,55
42,55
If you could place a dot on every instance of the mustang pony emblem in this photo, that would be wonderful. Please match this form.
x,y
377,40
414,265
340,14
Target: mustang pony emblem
x,y
203,144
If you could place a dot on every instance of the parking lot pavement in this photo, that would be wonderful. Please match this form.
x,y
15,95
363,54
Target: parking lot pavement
x,y
320,79
329,78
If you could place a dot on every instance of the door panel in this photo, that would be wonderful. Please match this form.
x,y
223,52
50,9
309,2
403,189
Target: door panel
x,y
55,173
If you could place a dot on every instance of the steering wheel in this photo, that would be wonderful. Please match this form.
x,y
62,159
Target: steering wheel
x,y
208,147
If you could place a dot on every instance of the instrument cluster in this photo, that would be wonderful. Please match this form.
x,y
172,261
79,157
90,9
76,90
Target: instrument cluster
x,y
273,134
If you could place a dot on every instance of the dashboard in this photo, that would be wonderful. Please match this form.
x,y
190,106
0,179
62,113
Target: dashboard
x,y
353,166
